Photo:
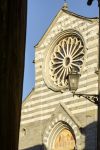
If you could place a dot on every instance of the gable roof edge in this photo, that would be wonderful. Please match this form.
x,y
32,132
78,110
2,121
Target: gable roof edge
x,y
71,115
94,19
48,29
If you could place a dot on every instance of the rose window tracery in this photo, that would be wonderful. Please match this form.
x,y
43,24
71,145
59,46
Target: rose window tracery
x,y
67,55
64,54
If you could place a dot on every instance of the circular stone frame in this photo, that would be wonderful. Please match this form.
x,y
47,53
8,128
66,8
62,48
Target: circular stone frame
x,y
49,51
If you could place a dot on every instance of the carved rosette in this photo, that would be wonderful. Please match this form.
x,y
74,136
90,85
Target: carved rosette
x,y
65,53
68,55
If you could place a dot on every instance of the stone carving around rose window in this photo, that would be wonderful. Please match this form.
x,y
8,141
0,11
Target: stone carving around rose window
x,y
66,55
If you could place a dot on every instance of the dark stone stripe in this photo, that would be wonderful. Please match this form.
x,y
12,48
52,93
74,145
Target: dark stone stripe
x,y
92,61
61,97
92,54
47,113
82,79
92,38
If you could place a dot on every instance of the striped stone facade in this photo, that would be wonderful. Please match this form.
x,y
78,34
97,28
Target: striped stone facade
x,y
46,112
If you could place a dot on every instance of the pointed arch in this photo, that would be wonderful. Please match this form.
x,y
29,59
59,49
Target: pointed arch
x,y
56,126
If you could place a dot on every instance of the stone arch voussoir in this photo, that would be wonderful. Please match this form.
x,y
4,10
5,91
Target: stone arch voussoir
x,y
55,126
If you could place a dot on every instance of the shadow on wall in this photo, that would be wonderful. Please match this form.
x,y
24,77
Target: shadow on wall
x,y
36,147
90,133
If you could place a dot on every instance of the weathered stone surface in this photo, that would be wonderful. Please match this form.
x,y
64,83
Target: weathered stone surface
x,y
41,113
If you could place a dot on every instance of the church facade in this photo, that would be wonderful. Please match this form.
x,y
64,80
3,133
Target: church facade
x,y
51,118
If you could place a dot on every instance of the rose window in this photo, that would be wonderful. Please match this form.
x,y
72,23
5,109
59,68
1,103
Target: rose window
x,y
67,55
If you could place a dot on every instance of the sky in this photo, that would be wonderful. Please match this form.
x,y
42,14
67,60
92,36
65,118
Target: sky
x,y
40,13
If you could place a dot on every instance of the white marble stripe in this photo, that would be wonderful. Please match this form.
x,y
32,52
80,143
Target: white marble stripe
x,y
39,54
36,119
92,58
83,75
37,65
39,83
69,20
86,80
77,25
78,104
87,27
50,103
39,106
81,82
38,70
40,88
77,111
91,28
42,94
39,77
88,87
93,31
92,51
43,100
85,86
65,100
92,66
66,17
48,116
56,95
53,96
94,36
37,58
95,41
89,44
39,112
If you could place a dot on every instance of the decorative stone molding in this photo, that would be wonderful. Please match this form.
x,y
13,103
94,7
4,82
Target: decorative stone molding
x,y
65,53
62,119
58,124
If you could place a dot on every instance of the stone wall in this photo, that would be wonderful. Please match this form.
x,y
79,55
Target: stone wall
x,y
42,102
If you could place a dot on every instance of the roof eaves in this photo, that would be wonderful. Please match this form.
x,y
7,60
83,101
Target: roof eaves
x,y
94,19
81,17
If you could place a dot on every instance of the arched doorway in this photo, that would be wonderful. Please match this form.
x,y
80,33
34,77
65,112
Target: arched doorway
x,y
62,134
64,140
61,137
